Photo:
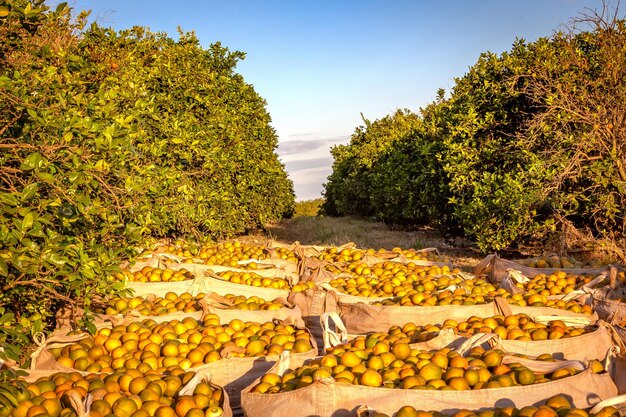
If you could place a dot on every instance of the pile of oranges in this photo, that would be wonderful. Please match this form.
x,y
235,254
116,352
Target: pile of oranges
x,y
153,306
397,365
149,346
254,280
128,394
150,274
557,283
333,254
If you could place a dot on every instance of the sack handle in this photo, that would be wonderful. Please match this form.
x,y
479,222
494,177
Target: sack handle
x,y
613,281
502,306
331,338
543,366
617,340
203,374
609,402
212,299
517,276
77,403
485,266
568,320
476,340
365,411
282,364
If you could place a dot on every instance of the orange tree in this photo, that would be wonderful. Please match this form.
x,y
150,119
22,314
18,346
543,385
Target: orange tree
x,y
110,138
527,145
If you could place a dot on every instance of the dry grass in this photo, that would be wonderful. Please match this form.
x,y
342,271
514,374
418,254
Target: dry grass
x,y
337,231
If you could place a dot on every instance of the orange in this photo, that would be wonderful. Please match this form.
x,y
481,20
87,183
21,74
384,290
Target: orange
x,y
371,378
350,359
560,373
492,358
458,383
53,406
401,350
459,362
544,411
101,406
526,377
301,346
375,362
430,372
472,377
184,404
165,411
329,361
214,412
36,410
596,366
173,384
558,401
124,407
407,411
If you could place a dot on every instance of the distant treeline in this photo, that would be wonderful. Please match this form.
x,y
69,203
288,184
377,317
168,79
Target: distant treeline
x,y
308,207
527,144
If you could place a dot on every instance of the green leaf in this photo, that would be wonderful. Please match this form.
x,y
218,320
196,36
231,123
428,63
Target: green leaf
x,y
31,162
46,176
29,191
28,221
4,268
8,198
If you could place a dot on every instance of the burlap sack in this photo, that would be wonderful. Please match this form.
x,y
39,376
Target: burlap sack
x,y
335,334
66,319
496,269
326,398
304,252
314,270
618,402
284,269
581,295
205,282
161,260
608,301
361,318
82,407
597,343
234,373
43,359
202,376
616,366
213,303
313,303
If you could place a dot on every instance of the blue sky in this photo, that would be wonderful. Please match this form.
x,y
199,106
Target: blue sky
x,y
320,64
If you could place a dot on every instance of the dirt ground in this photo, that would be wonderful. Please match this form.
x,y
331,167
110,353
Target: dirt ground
x,y
368,234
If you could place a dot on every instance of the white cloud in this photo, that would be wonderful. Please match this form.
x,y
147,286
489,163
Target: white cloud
x,y
308,162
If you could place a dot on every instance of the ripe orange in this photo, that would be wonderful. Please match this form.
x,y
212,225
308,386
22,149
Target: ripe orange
x,y
526,377
430,372
371,378
184,404
401,350
350,359
165,411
